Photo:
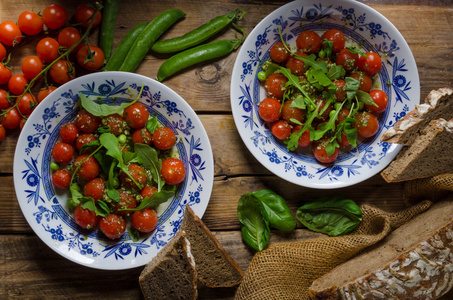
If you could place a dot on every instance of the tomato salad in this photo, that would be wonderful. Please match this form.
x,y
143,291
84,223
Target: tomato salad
x,y
118,163
321,95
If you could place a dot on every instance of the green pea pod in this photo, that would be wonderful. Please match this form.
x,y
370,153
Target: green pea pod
x,y
198,35
196,55
109,14
120,52
148,36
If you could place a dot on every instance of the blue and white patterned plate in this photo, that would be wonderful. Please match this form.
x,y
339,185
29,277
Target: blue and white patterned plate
x,y
361,25
45,207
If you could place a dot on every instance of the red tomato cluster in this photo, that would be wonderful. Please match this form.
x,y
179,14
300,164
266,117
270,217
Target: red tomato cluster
x,y
52,58
72,150
284,119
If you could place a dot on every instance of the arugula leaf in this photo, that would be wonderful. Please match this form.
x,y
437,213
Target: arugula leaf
x,y
365,98
293,80
336,72
352,86
293,141
328,46
112,192
103,110
155,200
151,162
319,79
311,61
102,210
76,196
354,49
298,102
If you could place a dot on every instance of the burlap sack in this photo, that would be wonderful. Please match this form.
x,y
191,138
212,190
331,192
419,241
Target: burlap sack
x,y
286,270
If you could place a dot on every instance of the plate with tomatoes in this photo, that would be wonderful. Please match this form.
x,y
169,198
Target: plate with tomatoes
x,y
106,164
315,85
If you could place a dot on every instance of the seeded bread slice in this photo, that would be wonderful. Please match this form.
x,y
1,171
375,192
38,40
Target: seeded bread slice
x,y
438,104
429,155
215,267
171,273
415,261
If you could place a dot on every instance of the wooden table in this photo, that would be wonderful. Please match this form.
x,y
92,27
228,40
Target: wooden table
x,y
30,269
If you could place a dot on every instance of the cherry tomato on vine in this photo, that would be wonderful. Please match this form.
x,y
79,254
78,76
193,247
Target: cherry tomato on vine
x,y
47,49
145,221
30,22
4,102
42,94
113,226
61,179
90,62
164,138
62,71
54,16
10,34
270,109
2,52
173,170
5,74
85,218
68,36
381,100
12,119
370,64
26,104
367,124
2,133
17,83
22,123
31,66
84,12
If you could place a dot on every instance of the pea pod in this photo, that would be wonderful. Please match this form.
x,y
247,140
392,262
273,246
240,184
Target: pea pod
x,y
198,35
148,36
196,55
109,14
120,52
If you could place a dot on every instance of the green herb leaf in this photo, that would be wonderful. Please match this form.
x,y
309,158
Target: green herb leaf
x,y
336,72
103,210
354,49
365,98
330,215
152,124
328,46
102,110
352,86
112,192
133,233
311,61
293,80
318,79
151,162
155,200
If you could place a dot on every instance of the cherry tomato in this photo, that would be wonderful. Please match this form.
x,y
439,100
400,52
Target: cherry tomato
x,y
54,16
367,124
22,123
381,100
365,80
2,133
94,188
340,92
5,74
145,221
347,59
335,36
136,115
89,170
319,151
62,71
17,83
84,12
85,217
30,23
304,140
173,170
68,36
26,104
12,119
269,109
164,138
2,52
281,129
93,63
344,112
343,140
142,136
69,133
289,113
61,179
42,94
10,34
137,172
85,139
308,41
278,53
87,122
115,122
31,66
126,201
325,114
296,65
62,152
275,85
148,191
113,226
4,102
47,49
370,64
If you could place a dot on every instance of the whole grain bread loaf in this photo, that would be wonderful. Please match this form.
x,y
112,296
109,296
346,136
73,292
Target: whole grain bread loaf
x,y
438,104
415,261
215,267
429,155
171,273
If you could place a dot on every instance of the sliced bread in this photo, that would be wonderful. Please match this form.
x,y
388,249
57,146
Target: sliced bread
x,y
429,155
171,273
215,267
415,261
438,104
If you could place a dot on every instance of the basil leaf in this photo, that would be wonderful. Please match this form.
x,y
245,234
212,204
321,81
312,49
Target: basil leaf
x,y
151,162
275,210
103,110
155,200
354,49
110,184
330,215
133,233
152,125
352,86
103,210
254,227
365,98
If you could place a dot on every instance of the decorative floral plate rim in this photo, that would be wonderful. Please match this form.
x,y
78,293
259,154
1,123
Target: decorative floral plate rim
x,y
44,206
398,78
